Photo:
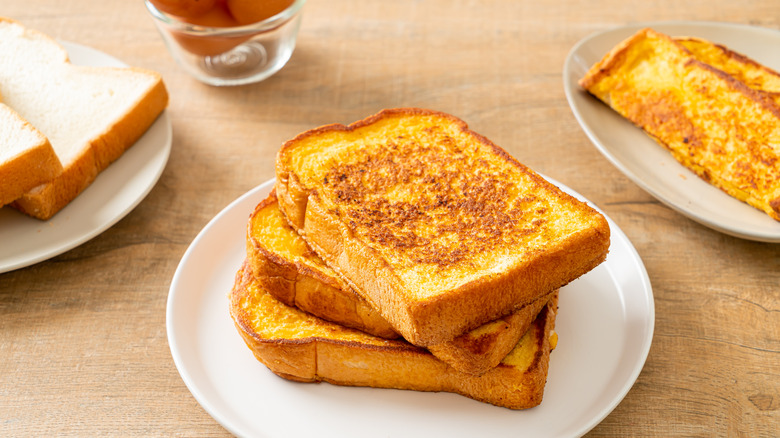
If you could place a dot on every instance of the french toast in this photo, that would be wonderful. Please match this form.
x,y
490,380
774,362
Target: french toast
x,y
293,274
301,347
290,272
434,225
712,122
483,348
736,65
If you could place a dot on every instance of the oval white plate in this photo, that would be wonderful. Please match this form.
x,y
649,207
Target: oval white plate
x,y
645,162
115,192
605,325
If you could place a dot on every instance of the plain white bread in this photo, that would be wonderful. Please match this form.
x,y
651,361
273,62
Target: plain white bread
x,y
91,115
27,159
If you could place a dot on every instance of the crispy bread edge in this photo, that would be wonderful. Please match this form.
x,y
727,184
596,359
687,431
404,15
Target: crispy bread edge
x,y
284,279
474,353
311,290
396,365
498,295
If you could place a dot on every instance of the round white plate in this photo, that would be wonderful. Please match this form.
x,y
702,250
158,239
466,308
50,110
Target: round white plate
x,y
115,192
646,163
605,325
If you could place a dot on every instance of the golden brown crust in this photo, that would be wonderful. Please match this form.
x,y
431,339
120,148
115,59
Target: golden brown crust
x,y
478,351
721,128
554,269
326,352
46,200
373,240
312,287
614,57
740,67
29,169
304,285
439,320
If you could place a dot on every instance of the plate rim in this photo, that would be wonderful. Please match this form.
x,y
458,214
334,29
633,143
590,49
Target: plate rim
x,y
571,90
217,412
159,158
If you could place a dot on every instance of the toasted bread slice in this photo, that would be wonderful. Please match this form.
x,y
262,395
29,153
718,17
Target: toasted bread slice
x,y
435,226
26,156
483,348
91,115
737,65
301,347
293,274
714,124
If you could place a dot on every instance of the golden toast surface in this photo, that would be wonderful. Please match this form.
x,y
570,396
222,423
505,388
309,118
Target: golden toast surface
x,y
712,122
740,67
299,346
293,274
437,227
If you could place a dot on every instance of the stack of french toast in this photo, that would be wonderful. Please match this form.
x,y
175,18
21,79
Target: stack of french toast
x,y
406,251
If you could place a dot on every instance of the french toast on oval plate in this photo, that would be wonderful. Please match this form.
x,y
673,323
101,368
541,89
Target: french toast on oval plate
x,y
716,111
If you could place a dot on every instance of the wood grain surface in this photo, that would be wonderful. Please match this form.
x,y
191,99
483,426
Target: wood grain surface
x,y
83,343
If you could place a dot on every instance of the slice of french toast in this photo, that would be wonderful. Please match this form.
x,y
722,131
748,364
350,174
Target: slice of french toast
x,y
301,347
737,65
434,225
483,348
293,274
713,123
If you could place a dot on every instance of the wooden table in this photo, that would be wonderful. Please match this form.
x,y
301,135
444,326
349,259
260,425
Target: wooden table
x,y
82,335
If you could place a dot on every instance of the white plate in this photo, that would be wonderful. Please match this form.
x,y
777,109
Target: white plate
x,y
605,326
115,192
645,162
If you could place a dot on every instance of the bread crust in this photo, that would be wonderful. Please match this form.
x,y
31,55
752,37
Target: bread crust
x,y
303,281
302,285
31,167
343,357
482,349
442,317
740,67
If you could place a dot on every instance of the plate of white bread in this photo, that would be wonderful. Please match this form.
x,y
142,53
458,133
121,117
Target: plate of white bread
x,y
84,140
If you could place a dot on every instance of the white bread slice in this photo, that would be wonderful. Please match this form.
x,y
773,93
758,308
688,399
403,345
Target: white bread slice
x,y
27,159
91,115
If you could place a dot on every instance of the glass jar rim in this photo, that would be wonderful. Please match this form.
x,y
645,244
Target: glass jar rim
x,y
269,23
